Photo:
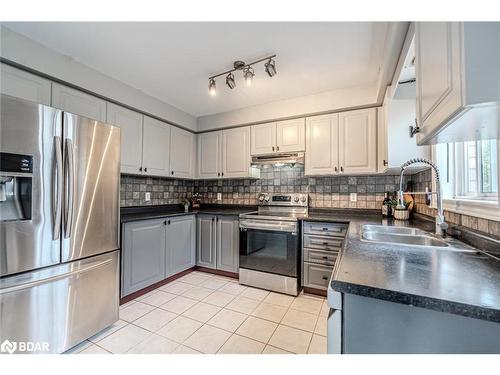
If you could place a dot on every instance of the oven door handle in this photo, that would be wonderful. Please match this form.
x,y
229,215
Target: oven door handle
x,y
276,226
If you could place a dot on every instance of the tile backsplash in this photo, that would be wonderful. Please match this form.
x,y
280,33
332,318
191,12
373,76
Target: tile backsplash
x,y
324,192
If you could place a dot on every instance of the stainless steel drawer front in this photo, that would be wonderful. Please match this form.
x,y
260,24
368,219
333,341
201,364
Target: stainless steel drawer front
x,y
320,257
329,229
322,242
317,276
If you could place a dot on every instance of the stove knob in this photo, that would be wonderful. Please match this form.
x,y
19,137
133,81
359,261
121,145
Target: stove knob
x,y
261,198
303,198
266,198
296,199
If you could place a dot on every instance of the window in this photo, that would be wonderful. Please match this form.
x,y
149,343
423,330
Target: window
x,y
476,170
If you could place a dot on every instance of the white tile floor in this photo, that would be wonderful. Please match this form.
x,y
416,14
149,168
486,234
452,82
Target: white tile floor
x,y
205,313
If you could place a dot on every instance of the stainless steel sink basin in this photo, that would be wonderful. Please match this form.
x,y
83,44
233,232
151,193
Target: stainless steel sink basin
x,y
403,239
394,230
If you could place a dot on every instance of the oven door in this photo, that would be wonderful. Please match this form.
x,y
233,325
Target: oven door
x,y
271,247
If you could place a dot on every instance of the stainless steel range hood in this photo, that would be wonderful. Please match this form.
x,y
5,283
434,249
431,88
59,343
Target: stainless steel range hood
x,y
281,159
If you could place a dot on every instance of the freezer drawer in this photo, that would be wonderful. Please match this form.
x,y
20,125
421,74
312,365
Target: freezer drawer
x,y
61,305
325,229
317,275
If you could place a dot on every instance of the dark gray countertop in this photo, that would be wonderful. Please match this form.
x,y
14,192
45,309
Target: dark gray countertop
x,y
463,283
129,214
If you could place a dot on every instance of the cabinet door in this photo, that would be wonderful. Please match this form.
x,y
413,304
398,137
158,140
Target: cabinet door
x,y
209,155
291,135
181,153
236,153
24,85
181,251
155,147
227,240
438,73
322,154
206,241
78,102
263,138
130,123
143,255
358,141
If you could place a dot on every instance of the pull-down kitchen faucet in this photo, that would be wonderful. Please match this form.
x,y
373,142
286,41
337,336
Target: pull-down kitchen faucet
x,y
441,225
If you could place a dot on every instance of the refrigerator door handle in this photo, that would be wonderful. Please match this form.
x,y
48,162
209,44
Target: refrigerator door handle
x,y
70,187
57,190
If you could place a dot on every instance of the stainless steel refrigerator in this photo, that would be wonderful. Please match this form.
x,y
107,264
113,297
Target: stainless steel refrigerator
x,y
59,227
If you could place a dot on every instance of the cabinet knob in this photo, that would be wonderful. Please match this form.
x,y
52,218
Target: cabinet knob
x,y
386,163
140,169
273,148
342,169
218,174
172,173
169,222
165,222
222,174
213,218
277,148
336,169
145,169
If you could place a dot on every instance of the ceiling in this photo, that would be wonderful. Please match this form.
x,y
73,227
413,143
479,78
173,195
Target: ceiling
x,y
172,61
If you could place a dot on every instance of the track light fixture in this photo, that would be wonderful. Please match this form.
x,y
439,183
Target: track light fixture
x,y
230,81
248,73
270,68
211,87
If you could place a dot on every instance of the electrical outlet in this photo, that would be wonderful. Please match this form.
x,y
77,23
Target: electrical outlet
x,y
353,197
148,197
219,196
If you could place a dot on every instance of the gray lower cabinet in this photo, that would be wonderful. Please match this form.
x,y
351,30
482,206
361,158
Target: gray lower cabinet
x,y
218,242
153,250
181,253
143,254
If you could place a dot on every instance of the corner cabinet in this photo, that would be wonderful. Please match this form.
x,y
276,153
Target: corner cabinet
x,y
153,250
20,84
457,95
182,150
225,154
218,242
281,136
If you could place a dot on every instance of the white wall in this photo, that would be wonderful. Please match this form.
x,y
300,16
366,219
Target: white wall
x,y
25,51
329,101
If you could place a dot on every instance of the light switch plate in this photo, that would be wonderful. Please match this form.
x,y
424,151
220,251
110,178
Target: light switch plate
x,y
148,197
353,197
219,196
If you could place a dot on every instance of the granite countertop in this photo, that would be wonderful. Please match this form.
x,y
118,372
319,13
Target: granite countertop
x,y
459,282
129,214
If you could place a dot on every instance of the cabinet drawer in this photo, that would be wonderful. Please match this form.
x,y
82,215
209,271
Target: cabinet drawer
x,y
325,229
325,243
317,276
320,257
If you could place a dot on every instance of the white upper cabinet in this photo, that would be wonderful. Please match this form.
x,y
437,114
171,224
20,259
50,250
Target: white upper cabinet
x,y
155,147
358,141
182,148
209,155
24,85
457,72
78,102
130,123
322,153
236,153
291,135
263,138
281,136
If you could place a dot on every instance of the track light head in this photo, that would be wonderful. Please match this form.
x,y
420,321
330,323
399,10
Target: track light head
x,y
230,82
270,68
211,87
248,73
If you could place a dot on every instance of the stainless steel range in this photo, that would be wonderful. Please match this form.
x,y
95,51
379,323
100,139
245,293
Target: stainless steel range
x,y
270,243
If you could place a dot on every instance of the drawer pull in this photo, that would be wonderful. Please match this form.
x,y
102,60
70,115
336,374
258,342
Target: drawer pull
x,y
325,278
325,258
